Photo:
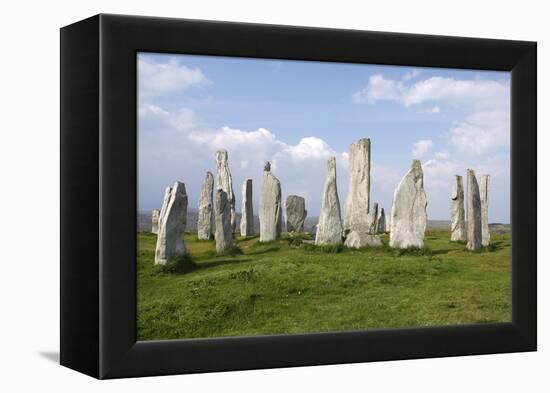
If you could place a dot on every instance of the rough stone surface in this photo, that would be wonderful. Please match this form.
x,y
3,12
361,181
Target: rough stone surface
x,y
296,213
224,232
155,221
381,226
474,213
172,224
167,192
484,197
356,239
329,228
356,207
408,213
247,213
224,181
458,224
270,206
373,219
205,221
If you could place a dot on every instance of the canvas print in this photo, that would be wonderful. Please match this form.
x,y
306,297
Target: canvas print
x,y
283,197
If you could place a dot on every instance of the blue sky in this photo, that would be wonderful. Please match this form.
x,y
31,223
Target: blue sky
x,y
297,114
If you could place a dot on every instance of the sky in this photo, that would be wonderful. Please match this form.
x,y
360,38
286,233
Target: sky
x,y
297,114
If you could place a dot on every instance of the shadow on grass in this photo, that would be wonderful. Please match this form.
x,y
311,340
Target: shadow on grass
x,y
265,250
220,262
442,251
496,246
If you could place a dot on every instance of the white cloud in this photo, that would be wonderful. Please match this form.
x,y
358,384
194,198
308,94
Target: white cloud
x,y
477,93
482,132
432,110
260,140
379,88
300,167
485,129
156,79
421,147
309,148
411,74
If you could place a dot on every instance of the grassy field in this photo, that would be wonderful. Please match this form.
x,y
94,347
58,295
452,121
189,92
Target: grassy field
x,y
279,287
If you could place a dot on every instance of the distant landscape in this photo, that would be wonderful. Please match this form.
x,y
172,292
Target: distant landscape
x,y
144,223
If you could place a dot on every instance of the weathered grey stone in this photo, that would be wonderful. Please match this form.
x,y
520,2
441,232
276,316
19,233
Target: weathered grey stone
x,y
356,239
247,214
172,223
381,226
224,181
296,213
408,213
356,208
167,192
329,228
474,213
155,221
458,225
224,232
205,221
270,206
373,219
484,197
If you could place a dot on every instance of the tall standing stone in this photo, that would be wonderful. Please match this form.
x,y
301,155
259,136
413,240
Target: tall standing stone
x,y
205,221
270,206
484,197
167,192
381,227
329,229
458,225
474,213
356,208
296,213
373,219
172,223
155,221
247,214
224,182
408,213
224,232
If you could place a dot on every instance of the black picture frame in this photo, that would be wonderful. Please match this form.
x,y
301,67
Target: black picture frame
x,y
98,195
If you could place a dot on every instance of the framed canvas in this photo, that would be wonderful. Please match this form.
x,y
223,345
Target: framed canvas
x,y
149,106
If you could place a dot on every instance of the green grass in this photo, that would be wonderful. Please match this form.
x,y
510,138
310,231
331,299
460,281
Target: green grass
x,y
291,287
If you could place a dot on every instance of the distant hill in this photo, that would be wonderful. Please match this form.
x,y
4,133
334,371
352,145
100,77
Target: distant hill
x,y
144,223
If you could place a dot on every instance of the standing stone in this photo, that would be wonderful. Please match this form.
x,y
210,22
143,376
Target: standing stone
x,y
458,225
373,219
155,221
356,239
224,181
224,232
296,213
205,222
474,213
329,229
484,197
408,213
381,227
356,208
167,192
270,206
247,214
172,224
